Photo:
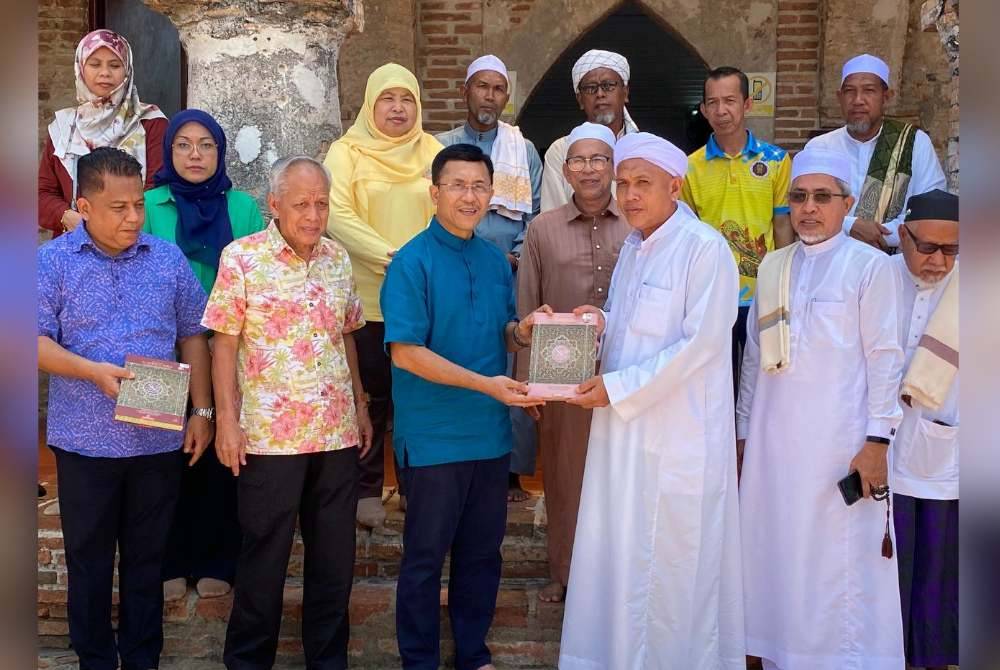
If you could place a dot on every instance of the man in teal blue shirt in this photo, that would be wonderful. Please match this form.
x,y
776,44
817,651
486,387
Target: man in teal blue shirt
x,y
516,200
450,321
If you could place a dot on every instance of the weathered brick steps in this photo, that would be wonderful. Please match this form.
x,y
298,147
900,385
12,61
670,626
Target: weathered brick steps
x,y
525,633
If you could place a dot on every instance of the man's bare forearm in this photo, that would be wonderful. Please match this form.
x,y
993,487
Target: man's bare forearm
x,y
351,349
195,352
428,365
56,360
227,397
784,234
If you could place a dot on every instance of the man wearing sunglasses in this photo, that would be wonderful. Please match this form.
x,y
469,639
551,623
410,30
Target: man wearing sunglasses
x,y
600,82
924,474
818,400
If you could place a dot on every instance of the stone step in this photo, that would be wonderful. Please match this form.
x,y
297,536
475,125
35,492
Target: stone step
x,y
525,632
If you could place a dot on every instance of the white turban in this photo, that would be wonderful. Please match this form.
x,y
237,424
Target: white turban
x,y
866,63
656,150
596,58
822,161
592,131
487,62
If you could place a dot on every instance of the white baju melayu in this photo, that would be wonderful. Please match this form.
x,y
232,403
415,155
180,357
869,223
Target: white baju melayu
x,y
924,453
927,174
818,593
655,576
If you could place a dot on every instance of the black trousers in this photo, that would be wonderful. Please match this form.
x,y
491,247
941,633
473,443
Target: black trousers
x,y
205,534
739,343
126,503
461,507
321,489
376,376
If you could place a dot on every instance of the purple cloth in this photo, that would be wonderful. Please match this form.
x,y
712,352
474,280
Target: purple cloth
x,y
100,307
927,553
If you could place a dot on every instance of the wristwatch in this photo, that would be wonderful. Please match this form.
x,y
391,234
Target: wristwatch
x,y
204,412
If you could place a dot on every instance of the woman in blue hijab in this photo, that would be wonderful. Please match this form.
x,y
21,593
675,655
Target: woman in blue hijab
x,y
195,206
194,203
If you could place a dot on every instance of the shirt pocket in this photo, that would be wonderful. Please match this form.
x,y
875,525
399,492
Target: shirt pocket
x,y
932,453
828,324
652,309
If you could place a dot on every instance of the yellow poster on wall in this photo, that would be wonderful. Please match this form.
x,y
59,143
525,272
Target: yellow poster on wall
x,y
512,108
762,93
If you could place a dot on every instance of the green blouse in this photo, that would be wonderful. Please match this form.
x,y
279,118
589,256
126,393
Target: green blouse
x,y
161,222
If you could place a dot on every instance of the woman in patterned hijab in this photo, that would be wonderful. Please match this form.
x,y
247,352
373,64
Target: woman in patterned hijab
x,y
108,114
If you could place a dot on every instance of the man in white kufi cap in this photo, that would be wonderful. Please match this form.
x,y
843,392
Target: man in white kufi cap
x,y
569,255
517,185
818,401
600,82
891,161
655,577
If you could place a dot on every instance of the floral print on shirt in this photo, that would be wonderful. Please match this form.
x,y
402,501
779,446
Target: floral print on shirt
x,y
290,317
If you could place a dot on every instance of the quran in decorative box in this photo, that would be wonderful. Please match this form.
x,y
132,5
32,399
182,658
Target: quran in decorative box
x,y
158,395
563,354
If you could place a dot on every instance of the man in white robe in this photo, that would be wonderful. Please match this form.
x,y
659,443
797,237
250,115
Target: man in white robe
x,y
655,576
818,399
891,161
600,82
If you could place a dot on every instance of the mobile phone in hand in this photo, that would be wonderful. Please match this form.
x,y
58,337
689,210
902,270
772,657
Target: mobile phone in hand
x,y
850,487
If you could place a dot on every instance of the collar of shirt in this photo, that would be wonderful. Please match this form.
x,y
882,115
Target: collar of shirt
x,y
674,222
477,136
750,149
824,246
80,238
922,285
573,213
159,196
283,250
449,240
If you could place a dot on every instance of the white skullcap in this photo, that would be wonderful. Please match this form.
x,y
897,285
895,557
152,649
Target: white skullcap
x,y
487,62
822,161
656,150
596,58
866,63
592,131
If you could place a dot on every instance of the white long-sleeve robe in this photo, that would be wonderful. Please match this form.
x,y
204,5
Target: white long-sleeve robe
x,y
924,453
927,173
818,593
655,580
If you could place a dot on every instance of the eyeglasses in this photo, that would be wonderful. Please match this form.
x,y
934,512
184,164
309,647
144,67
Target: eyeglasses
x,y
928,248
187,147
800,197
479,189
597,163
606,86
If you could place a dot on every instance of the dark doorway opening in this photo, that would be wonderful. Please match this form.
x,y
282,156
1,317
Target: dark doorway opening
x,y
160,62
665,85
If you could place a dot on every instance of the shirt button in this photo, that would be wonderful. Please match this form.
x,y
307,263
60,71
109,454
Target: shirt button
x,y
312,304
595,227
598,267
597,246
315,334
600,290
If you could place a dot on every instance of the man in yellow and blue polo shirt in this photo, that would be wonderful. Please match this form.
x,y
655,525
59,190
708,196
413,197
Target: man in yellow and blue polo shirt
x,y
739,184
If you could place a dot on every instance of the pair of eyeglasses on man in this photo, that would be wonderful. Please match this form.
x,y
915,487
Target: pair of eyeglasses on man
x,y
479,188
187,147
597,163
799,196
928,248
591,89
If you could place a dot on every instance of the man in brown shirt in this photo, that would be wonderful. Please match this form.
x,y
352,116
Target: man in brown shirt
x,y
568,256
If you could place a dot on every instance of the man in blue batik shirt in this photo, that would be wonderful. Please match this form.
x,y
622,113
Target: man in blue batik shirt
x,y
516,199
106,290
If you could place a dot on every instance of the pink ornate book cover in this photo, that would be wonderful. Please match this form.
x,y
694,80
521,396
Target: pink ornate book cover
x,y
157,396
563,354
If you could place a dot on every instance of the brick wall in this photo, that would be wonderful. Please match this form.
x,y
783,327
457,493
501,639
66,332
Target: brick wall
x,y
61,24
797,87
449,36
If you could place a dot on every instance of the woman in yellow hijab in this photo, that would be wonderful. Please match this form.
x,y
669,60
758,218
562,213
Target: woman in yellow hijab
x,y
379,199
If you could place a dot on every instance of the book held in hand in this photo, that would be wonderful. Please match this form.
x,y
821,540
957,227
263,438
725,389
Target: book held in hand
x,y
563,354
158,395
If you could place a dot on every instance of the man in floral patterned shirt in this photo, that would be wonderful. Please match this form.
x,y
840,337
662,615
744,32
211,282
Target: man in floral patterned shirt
x,y
292,416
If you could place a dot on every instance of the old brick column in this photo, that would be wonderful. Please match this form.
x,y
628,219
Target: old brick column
x,y
942,16
267,70
796,100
